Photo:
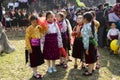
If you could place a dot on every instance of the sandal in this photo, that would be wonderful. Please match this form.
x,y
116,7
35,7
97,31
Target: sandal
x,y
83,67
97,66
37,76
60,64
65,66
87,74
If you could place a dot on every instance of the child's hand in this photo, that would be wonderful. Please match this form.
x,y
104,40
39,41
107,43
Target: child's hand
x,y
109,38
30,51
96,47
87,52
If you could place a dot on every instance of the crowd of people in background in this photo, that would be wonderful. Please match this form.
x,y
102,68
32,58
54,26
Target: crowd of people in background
x,y
85,29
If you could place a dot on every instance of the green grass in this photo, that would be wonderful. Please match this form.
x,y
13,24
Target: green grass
x,y
13,67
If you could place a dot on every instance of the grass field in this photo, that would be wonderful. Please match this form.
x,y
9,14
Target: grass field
x,y
13,67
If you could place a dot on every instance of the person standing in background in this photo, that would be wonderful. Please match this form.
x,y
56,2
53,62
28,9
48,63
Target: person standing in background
x,y
101,31
0,12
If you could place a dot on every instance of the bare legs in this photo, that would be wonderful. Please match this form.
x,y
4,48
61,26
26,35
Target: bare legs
x,y
51,66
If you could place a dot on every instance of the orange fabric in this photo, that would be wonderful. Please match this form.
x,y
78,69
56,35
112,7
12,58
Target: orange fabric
x,y
63,52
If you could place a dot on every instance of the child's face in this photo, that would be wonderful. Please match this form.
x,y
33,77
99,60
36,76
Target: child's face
x,y
84,20
58,17
34,22
79,19
113,25
50,18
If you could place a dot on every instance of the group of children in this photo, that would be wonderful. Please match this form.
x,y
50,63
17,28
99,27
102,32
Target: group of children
x,y
55,33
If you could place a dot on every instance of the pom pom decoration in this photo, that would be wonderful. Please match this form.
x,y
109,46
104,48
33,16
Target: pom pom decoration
x,y
43,23
63,52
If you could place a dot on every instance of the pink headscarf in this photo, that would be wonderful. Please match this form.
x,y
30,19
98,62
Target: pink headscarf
x,y
116,9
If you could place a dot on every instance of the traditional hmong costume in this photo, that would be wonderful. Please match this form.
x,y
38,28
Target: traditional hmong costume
x,y
78,48
89,42
53,42
112,34
32,39
66,30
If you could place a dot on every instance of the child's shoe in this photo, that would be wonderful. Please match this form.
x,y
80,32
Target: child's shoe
x,y
49,70
37,76
60,64
54,69
65,66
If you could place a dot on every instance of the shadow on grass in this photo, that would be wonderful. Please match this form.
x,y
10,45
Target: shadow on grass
x,y
76,74
111,62
32,78
59,75
3,54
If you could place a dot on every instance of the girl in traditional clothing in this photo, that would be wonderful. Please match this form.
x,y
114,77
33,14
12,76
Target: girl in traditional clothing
x,y
32,39
52,43
63,28
68,31
113,33
97,25
78,49
90,42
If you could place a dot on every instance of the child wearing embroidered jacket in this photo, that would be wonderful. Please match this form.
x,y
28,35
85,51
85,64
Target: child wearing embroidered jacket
x,y
88,34
53,42
32,40
112,34
78,49
63,28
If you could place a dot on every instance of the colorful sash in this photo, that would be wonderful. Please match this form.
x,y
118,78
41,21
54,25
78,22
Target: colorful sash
x,y
35,42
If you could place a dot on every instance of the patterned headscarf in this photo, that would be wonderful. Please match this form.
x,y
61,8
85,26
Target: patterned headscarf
x,y
116,9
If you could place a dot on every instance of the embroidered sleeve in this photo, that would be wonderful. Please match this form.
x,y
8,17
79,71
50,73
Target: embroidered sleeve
x,y
85,35
27,39
64,26
60,44
69,29
108,34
